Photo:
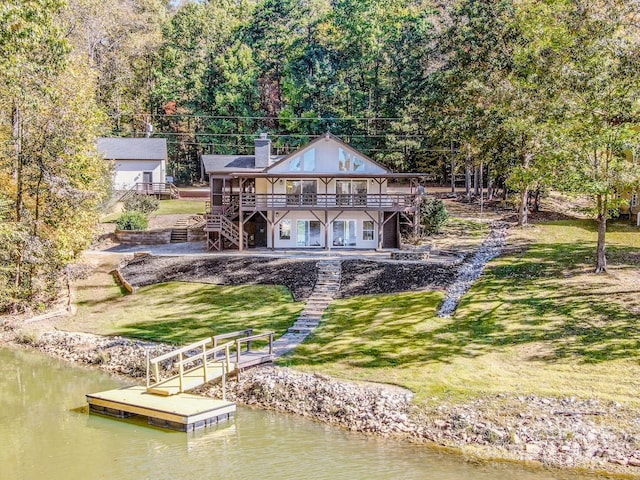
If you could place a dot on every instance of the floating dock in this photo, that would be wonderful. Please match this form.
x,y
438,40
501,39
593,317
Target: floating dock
x,y
183,412
163,400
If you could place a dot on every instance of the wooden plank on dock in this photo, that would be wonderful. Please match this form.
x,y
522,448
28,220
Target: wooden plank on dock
x,y
179,412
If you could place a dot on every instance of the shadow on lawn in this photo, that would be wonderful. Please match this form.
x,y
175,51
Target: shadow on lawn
x,y
210,310
523,301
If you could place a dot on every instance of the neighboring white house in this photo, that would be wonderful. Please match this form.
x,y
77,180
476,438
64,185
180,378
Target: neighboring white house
x,y
138,162
325,195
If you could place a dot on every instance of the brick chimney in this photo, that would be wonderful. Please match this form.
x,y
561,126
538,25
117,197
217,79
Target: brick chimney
x,y
263,151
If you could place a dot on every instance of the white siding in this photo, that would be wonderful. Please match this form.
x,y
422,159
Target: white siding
x,y
358,219
130,172
326,155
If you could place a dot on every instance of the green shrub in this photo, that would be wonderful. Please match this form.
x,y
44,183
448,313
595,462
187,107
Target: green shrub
x,y
139,202
132,221
433,215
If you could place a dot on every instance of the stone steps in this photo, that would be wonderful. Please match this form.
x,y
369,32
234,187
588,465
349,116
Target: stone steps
x,y
324,292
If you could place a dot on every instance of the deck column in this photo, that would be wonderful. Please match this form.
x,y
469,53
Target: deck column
x,y
380,229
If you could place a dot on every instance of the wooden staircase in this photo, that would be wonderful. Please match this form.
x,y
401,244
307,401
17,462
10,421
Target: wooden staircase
x,y
180,231
222,231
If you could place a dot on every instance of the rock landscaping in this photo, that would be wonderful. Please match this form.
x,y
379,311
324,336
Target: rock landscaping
x,y
471,270
556,432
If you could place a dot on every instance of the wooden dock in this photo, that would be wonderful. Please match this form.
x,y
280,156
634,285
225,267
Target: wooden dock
x,y
163,400
182,412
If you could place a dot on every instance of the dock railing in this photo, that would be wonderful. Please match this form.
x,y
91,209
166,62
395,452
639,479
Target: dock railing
x,y
199,356
248,339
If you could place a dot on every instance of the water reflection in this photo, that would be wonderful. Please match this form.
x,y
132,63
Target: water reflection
x,y
45,432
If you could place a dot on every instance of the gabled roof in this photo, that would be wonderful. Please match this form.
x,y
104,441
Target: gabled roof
x,y
133,148
328,136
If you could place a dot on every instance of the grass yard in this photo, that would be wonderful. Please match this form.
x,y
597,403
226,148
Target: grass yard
x,y
168,207
536,322
174,207
177,312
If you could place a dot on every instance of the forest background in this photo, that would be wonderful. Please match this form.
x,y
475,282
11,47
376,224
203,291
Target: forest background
x,y
530,94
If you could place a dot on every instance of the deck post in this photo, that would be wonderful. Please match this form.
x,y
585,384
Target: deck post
x,y
224,382
204,363
147,355
180,370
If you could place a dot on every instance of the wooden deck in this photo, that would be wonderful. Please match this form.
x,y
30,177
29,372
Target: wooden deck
x,y
163,400
182,412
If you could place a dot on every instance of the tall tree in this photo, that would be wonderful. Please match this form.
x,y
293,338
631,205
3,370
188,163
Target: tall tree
x,y
590,51
50,173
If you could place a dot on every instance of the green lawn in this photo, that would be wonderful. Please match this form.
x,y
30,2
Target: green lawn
x,y
536,322
172,207
180,313
169,207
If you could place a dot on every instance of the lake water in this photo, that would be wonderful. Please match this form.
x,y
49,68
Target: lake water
x,y
46,433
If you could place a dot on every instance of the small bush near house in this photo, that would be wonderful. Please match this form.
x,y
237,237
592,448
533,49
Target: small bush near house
x,y
141,203
433,215
132,221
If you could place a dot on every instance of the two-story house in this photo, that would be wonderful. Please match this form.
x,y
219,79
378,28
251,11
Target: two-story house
x,y
325,195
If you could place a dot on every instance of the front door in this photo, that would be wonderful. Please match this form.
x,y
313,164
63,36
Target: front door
x,y
147,180
260,235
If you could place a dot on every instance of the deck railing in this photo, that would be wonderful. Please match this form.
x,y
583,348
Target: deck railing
x,y
359,201
189,358
152,188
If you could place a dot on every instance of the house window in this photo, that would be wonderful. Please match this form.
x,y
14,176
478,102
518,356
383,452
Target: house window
x,y
344,233
285,230
367,230
302,192
309,160
349,163
351,192
295,164
304,163
344,160
308,233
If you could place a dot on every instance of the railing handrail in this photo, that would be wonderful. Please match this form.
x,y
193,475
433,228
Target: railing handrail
x,y
358,200
237,333
202,356
248,341
178,351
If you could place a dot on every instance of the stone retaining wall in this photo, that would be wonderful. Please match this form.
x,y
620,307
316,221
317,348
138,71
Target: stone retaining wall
x,y
410,255
195,235
144,237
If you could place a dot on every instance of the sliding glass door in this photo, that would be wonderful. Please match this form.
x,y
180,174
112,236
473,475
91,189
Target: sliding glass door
x,y
344,233
309,233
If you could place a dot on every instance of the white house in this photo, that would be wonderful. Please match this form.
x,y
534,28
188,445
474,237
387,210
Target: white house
x,y
325,195
138,162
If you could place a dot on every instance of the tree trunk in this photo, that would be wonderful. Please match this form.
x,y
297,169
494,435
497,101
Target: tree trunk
x,y
523,213
601,257
467,174
453,174
476,181
17,142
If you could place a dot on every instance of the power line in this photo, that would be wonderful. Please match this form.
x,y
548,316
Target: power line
x,y
240,117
